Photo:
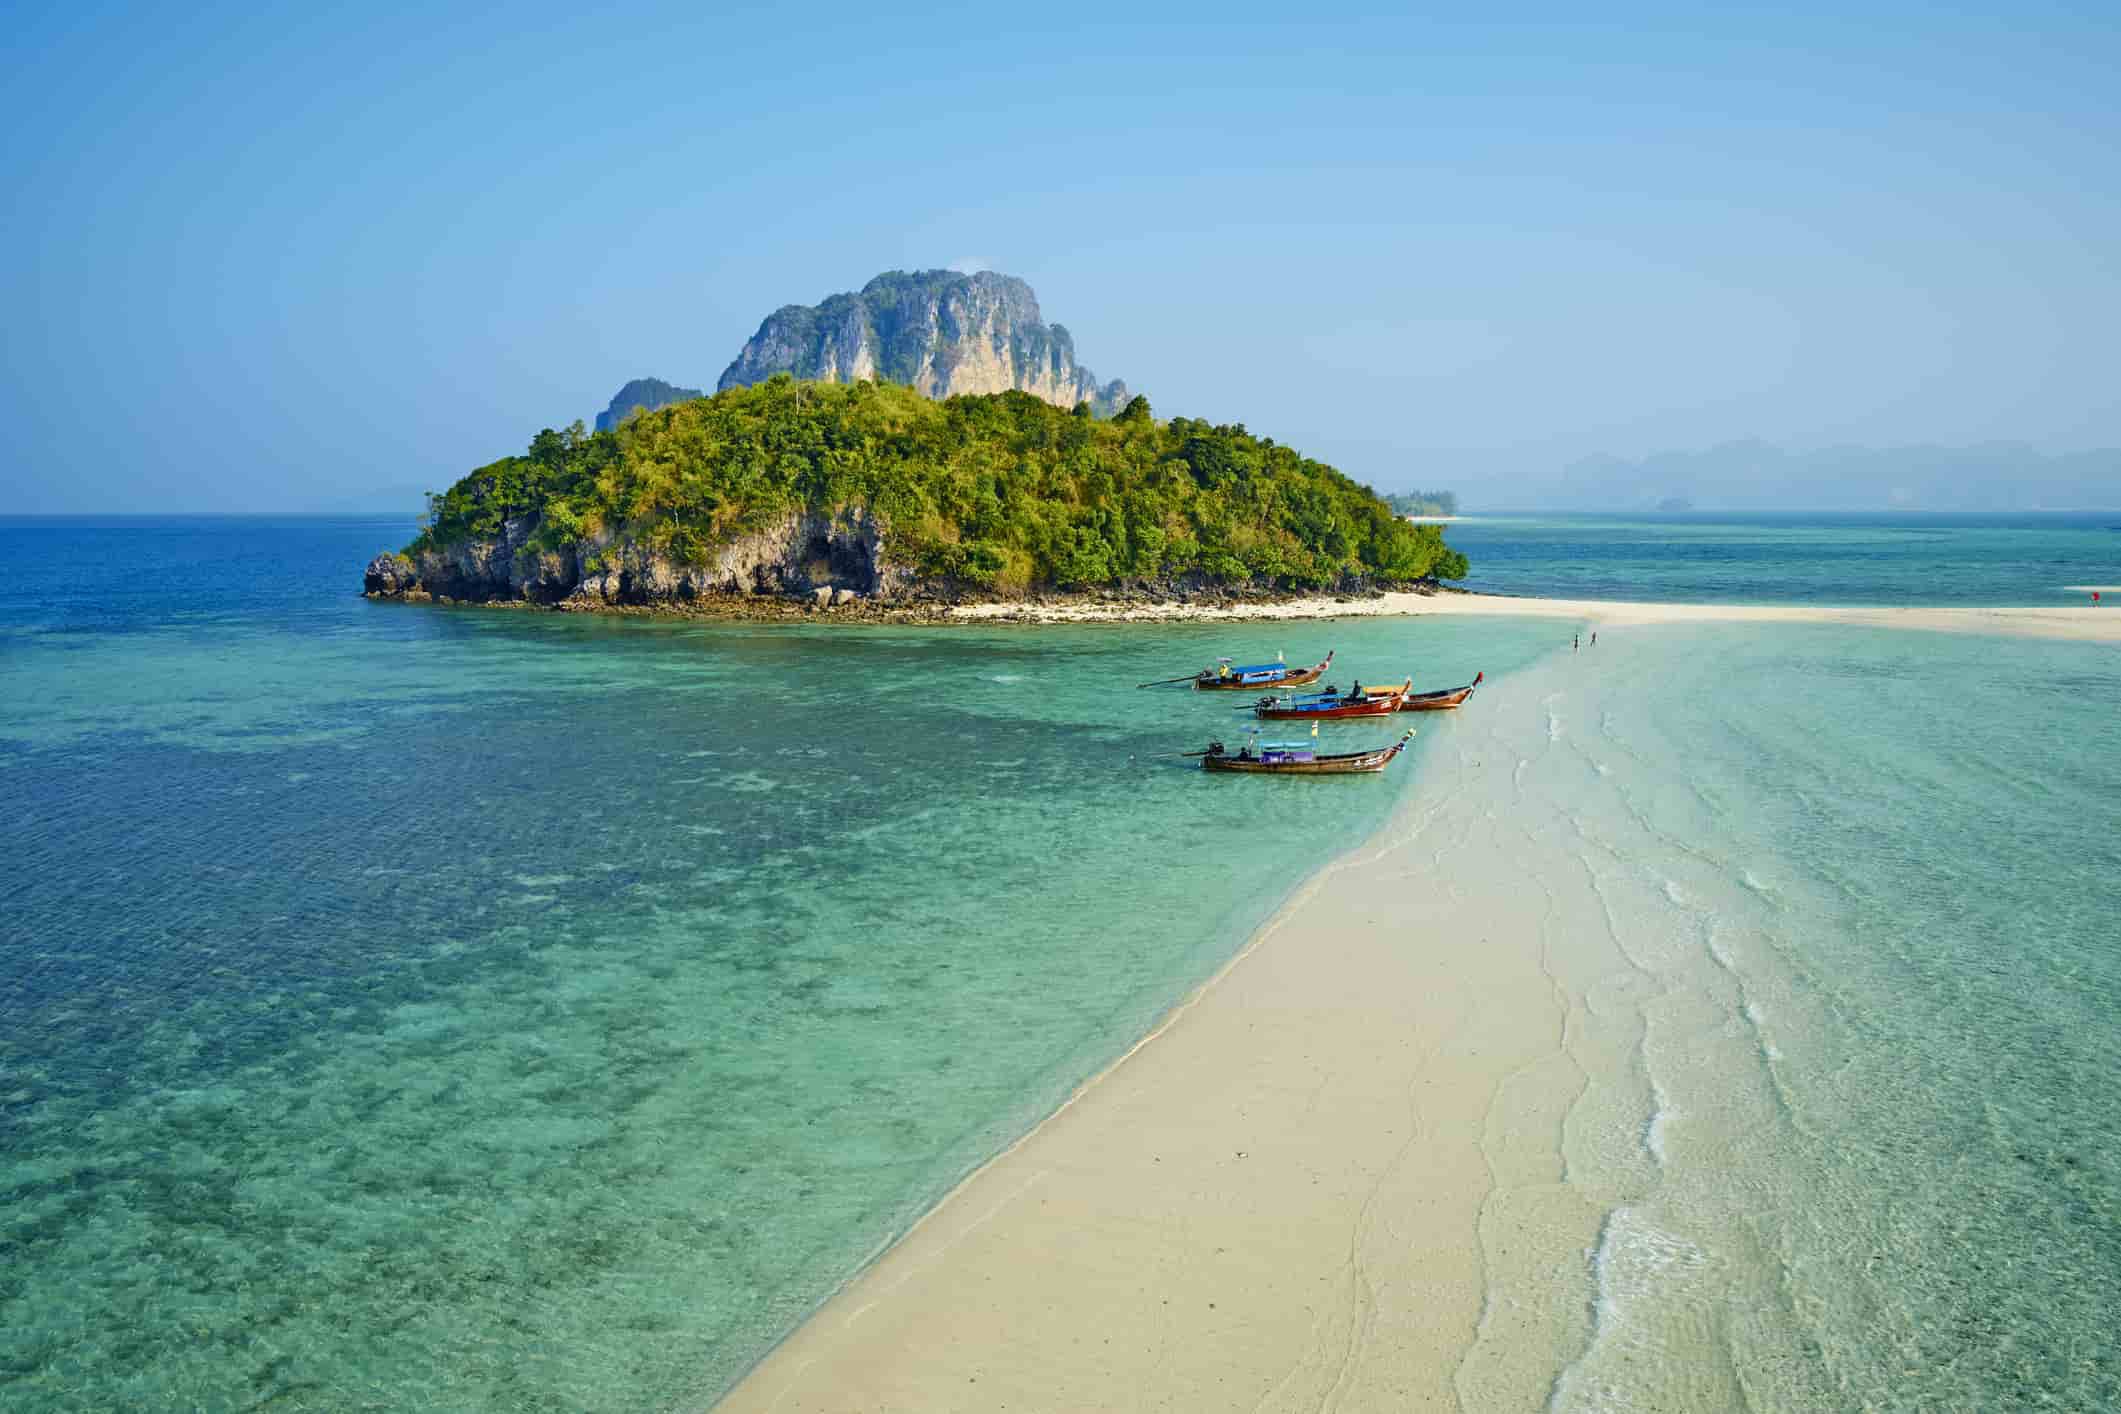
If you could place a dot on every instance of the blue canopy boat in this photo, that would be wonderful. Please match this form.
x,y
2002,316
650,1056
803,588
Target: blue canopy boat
x,y
1226,676
1332,706
1300,758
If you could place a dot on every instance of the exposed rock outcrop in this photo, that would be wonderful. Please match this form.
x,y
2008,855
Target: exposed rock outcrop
x,y
645,393
807,555
941,332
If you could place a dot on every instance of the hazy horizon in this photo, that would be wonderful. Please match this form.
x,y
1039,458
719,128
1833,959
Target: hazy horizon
x,y
264,263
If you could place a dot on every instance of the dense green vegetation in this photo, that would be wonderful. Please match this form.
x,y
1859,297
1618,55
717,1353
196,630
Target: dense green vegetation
x,y
1424,503
1001,492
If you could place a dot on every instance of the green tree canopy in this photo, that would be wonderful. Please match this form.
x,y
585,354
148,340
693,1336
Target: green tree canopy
x,y
1003,492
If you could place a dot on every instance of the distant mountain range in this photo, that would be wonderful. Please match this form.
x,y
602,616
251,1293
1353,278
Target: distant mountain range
x,y
1756,475
938,331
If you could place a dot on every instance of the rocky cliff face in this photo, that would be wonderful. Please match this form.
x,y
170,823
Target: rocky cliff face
x,y
839,556
942,332
649,393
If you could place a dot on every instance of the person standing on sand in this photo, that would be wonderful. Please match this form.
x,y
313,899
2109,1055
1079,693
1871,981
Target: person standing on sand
x,y
1594,638
1576,644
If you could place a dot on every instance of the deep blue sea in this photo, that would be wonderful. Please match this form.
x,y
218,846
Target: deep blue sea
x,y
415,1007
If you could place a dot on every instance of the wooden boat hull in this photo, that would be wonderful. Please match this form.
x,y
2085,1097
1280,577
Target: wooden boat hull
x,y
1375,707
1448,699
1371,704
1297,677
1350,763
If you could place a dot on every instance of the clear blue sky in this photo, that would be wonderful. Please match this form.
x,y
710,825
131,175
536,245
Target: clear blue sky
x,y
261,258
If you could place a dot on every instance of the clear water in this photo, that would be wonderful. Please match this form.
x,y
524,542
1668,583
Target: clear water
x,y
1935,833
1846,940
407,1007
1855,558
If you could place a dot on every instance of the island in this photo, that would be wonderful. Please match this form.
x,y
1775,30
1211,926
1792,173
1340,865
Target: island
x,y
820,495
1424,503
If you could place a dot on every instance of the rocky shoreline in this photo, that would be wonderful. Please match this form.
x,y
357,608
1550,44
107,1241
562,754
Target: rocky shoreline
x,y
846,606
806,566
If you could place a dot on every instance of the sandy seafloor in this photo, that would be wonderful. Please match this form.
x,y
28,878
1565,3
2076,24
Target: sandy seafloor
x,y
1537,1099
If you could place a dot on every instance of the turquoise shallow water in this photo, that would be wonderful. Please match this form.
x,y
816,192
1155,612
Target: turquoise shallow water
x,y
1951,813
407,1007
1866,883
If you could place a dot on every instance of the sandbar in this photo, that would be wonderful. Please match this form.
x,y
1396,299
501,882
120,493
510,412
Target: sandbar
x,y
1336,1177
1299,1191
2087,622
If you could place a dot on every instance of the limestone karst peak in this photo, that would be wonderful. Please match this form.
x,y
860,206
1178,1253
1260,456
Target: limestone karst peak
x,y
942,332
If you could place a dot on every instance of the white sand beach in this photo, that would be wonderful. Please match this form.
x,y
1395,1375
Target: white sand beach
x,y
1278,1199
2093,622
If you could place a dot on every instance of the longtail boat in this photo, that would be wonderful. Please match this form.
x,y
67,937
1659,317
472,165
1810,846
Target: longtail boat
x,y
1444,699
1331,706
1448,699
1300,758
1227,677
